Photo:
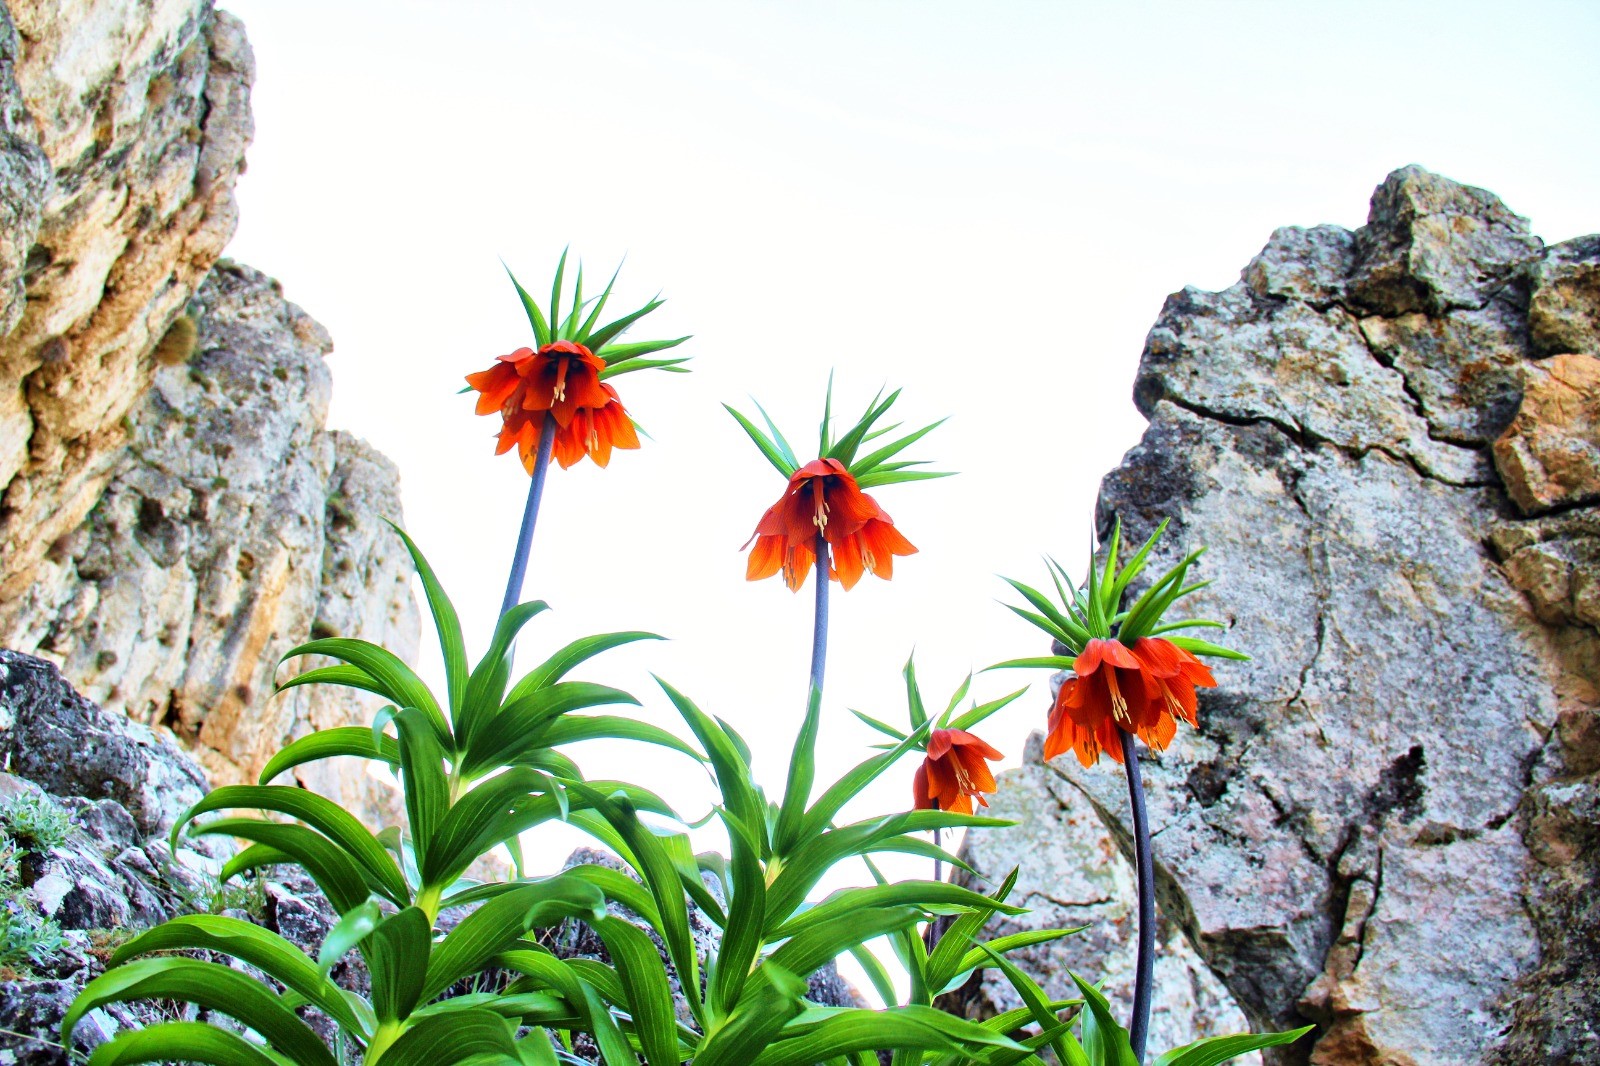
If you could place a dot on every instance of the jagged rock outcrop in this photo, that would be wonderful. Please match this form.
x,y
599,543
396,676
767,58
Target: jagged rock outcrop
x,y
1387,821
124,128
234,528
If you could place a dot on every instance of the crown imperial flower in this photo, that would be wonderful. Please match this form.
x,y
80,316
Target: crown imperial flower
x,y
563,380
954,773
822,498
824,501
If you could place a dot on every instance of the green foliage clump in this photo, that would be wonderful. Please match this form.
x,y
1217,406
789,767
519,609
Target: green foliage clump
x,y
30,824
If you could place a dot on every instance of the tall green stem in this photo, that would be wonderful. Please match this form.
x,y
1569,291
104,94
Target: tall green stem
x,y
1144,969
530,515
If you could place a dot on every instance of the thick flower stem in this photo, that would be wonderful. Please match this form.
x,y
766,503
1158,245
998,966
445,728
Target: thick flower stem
x,y
1139,1025
938,864
819,628
530,515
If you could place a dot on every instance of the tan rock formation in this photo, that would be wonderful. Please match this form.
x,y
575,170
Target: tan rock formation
x,y
138,116
234,527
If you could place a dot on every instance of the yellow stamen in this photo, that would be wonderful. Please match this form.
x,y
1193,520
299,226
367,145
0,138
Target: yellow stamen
x,y
819,517
561,380
1119,704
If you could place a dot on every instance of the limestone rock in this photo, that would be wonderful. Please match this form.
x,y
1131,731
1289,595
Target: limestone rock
x,y
124,127
1386,822
1550,454
233,528
1071,874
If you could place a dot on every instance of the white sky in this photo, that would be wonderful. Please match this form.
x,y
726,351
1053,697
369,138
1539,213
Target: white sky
x,y
983,203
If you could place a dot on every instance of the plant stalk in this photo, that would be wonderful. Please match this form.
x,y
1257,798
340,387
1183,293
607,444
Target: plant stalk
x,y
1139,1024
819,628
938,863
530,515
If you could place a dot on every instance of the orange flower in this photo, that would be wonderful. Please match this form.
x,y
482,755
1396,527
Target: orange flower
x,y
954,773
563,378
822,496
1143,689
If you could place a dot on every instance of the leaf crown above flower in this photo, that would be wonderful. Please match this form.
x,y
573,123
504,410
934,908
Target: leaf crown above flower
x,y
1094,610
869,470
917,710
584,328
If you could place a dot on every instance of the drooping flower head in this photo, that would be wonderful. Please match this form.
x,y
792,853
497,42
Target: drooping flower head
x,y
1122,674
824,499
954,773
955,767
563,381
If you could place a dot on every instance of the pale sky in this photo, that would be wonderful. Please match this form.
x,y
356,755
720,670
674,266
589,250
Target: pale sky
x,y
984,204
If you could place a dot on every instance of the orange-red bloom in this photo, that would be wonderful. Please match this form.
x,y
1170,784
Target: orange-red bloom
x,y
1143,689
954,773
562,378
823,497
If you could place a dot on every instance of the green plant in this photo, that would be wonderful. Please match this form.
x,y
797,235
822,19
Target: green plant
x,y
34,822
30,823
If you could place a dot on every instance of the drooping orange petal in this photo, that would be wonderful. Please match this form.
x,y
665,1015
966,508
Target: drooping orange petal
x,y
1157,657
847,562
975,744
766,559
921,797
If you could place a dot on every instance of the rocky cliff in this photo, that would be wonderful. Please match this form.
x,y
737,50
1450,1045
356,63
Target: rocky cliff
x,y
174,514
1389,821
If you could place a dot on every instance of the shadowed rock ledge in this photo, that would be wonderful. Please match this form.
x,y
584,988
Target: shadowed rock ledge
x,y
1388,821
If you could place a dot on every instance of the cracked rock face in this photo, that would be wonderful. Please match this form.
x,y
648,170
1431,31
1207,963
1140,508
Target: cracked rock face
x,y
1386,823
234,528
122,130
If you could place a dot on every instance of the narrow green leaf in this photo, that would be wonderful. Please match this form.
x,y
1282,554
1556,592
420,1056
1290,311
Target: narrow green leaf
x,y
266,951
1204,647
1104,1041
445,622
327,743
397,682
486,686
977,714
321,814
562,662
500,922
1218,1049
644,979
183,1042
453,1038
541,329
610,331
347,933
514,728
802,774
211,987
773,453
396,953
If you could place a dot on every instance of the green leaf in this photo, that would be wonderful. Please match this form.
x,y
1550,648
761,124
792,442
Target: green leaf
x,y
1041,662
339,877
395,681
919,713
615,354
267,952
983,710
253,857
487,684
745,920
943,961
496,810
555,295
321,814
649,993
650,858
571,729
882,727
326,743
514,730
183,1042
500,922
211,987
860,776
1104,1041
876,973
1003,944
772,996
916,1028
1068,1051
1204,647
1217,1049
562,662
452,1038
926,896
844,449
608,1038
729,761
445,622
628,366
888,451
777,435
802,774
541,329
611,330
396,953
773,453
348,932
